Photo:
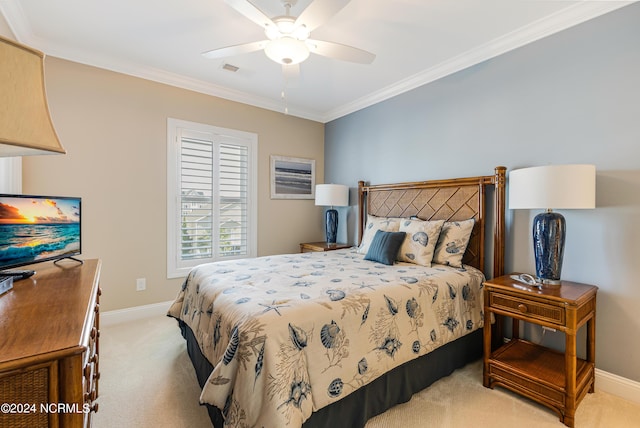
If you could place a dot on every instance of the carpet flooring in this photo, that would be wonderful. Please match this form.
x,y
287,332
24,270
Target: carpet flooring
x,y
147,381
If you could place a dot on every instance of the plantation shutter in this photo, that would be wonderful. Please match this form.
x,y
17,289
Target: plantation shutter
x,y
214,179
211,180
232,199
196,199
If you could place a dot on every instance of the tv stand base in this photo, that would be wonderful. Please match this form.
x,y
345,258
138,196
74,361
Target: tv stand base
x,y
55,262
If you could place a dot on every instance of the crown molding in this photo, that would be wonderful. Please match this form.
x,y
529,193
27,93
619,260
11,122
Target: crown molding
x,y
16,19
561,20
166,77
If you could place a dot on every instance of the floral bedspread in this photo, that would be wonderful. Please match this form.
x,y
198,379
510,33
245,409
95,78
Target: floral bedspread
x,y
290,334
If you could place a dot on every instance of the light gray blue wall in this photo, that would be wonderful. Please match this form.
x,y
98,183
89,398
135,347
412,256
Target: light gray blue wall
x,y
573,97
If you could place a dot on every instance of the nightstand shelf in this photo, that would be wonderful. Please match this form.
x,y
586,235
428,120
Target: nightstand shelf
x,y
529,369
559,380
307,247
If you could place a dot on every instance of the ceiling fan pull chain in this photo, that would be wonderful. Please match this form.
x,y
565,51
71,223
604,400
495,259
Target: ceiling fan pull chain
x,y
283,95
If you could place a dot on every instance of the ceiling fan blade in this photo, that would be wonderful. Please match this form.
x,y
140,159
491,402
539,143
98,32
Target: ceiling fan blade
x,y
319,11
339,51
247,8
235,50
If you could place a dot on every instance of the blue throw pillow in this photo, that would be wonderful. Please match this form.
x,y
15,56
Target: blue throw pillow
x,y
384,247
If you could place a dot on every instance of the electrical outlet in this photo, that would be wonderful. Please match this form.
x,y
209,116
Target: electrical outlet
x,y
141,284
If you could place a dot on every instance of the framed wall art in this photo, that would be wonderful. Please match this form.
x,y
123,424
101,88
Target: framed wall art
x,y
292,178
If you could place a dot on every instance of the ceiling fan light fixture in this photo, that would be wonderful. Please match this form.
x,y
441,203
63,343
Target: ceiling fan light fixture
x,y
287,50
285,24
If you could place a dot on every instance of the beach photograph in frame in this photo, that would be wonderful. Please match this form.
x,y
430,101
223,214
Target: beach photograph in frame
x,y
292,178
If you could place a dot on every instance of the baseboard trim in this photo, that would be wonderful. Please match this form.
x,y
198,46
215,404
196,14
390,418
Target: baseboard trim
x,y
135,313
618,386
605,381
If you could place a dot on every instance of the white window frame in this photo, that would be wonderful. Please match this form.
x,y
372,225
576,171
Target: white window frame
x,y
176,267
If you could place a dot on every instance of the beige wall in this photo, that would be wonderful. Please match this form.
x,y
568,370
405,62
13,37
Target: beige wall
x,y
113,127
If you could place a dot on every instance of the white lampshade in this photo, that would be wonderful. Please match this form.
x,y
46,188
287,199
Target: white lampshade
x,y
287,50
25,124
336,195
553,187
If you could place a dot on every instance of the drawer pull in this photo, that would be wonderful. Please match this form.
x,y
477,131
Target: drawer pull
x,y
94,408
87,372
94,358
522,307
94,332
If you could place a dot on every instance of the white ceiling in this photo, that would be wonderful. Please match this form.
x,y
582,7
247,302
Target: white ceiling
x,y
415,42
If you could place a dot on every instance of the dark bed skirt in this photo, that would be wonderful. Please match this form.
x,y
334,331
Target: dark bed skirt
x,y
392,388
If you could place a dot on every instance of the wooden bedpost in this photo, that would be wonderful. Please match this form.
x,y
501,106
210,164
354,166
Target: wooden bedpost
x,y
499,233
361,211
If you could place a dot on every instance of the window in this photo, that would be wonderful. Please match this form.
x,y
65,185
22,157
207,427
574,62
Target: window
x,y
211,195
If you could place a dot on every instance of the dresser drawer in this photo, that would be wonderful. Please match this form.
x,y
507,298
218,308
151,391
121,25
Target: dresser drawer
x,y
529,308
91,370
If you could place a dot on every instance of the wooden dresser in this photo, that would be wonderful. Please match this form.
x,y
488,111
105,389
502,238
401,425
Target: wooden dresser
x,y
49,366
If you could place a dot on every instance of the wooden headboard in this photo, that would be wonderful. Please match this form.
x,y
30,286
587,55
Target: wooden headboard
x,y
451,200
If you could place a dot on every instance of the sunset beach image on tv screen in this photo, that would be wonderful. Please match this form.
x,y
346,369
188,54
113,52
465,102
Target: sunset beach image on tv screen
x,y
38,228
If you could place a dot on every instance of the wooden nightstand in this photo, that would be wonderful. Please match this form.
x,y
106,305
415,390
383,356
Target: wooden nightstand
x,y
554,379
307,247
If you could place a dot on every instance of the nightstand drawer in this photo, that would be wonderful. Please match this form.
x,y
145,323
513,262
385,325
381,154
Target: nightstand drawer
x,y
529,308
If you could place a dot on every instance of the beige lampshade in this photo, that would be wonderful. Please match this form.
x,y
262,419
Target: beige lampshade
x,y
553,187
25,123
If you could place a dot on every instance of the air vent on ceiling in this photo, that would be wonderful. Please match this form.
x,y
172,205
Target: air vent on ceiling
x,y
229,67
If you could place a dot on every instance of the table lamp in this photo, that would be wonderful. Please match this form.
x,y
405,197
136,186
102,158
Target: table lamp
x,y
333,195
551,187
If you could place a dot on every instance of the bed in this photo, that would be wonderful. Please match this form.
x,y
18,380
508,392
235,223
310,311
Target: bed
x,y
335,338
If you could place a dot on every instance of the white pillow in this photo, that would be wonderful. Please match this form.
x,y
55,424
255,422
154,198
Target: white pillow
x,y
452,243
420,243
374,223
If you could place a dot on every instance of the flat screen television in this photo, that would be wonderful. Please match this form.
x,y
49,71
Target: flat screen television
x,y
37,229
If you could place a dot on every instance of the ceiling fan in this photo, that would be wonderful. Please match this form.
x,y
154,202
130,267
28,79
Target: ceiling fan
x,y
288,41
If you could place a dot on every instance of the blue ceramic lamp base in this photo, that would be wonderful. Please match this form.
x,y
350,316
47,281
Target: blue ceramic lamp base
x,y
549,231
331,226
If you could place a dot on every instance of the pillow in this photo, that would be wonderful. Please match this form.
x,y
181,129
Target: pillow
x,y
420,242
452,243
384,247
386,224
